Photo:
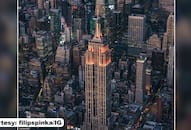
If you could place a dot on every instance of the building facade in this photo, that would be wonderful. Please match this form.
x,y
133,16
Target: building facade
x,y
136,29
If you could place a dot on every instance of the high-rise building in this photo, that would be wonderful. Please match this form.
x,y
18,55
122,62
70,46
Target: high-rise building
x,y
76,57
164,42
113,84
40,4
159,108
68,34
79,35
136,29
47,7
130,96
81,76
52,4
140,79
148,81
55,20
77,28
24,47
32,23
120,4
157,60
81,71
68,93
155,4
116,18
168,5
165,45
48,87
42,24
170,71
100,10
63,52
55,23
170,29
66,10
35,77
43,45
22,29
97,83
82,61
154,42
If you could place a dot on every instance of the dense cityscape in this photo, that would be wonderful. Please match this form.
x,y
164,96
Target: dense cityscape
x,y
98,64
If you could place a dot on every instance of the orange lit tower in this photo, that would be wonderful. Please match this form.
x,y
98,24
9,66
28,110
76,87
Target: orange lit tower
x,y
97,83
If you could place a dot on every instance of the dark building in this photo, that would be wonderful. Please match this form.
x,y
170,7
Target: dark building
x,y
158,60
43,24
66,10
116,18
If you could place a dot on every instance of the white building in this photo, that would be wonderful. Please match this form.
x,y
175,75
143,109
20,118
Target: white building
x,y
140,79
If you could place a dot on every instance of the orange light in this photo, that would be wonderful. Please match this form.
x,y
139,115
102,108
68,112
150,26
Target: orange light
x,y
90,48
105,63
89,62
104,49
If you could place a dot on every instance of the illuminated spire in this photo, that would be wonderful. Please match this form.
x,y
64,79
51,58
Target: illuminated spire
x,y
98,33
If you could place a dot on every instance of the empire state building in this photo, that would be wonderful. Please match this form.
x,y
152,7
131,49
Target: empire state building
x,y
97,83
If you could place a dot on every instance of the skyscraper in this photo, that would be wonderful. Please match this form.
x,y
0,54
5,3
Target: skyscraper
x,y
170,29
52,4
48,87
157,60
168,5
170,71
55,20
63,51
136,29
40,4
154,42
148,81
55,23
76,57
164,42
97,83
140,79
43,45
77,28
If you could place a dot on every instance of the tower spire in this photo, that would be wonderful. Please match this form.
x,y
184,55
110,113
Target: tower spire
x,y
98,33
